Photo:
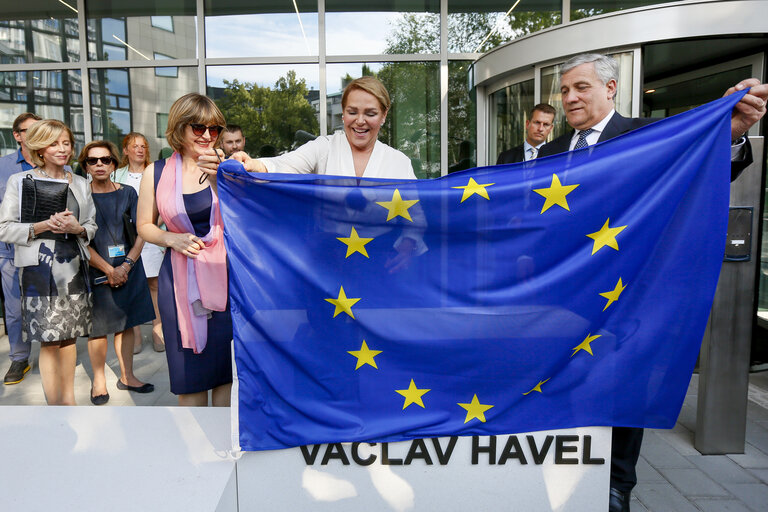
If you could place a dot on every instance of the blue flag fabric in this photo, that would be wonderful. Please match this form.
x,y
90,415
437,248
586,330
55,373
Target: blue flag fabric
x,y
567,291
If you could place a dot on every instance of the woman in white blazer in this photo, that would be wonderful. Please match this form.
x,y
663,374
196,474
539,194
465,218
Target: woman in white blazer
x,y
53,274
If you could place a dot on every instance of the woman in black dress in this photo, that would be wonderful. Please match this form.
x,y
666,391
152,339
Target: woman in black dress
x,y
120,292
192,295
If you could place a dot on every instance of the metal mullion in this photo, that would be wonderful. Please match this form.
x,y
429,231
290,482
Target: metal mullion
x,y
339,59
323,97
201,62
443,87
163,63
40,66
244,61
85,78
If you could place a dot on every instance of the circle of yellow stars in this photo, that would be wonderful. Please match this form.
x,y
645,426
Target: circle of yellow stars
x,y
554,195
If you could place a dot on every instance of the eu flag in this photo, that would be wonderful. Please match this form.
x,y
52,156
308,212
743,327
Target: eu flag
x,y
567,291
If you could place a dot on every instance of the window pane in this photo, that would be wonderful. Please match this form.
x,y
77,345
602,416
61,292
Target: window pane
x,y
234,28
585,8
125,100
509,108
413,123
476,28
52,38
49,94
276,106
114,34
385,26
462,117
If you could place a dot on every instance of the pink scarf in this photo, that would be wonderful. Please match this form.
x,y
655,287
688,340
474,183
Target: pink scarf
x,y
193,304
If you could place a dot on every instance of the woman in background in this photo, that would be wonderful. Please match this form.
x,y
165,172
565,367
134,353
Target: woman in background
x,y
135,160
55,292
121,298
192,295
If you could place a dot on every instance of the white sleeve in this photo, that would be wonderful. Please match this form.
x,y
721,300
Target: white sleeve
x,y
303,160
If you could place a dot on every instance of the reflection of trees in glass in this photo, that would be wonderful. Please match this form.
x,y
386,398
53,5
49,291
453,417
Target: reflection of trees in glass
x,y
269,116
482,31
579,14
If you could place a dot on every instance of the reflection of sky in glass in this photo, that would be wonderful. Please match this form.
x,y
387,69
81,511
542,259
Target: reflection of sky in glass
x,y
335,72
260,35
116,81
111,27
263,75
121,119
361,33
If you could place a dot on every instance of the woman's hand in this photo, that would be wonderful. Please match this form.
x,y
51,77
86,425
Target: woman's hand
x,y
209,161
65,222
186,243
250,164
116,276
402,259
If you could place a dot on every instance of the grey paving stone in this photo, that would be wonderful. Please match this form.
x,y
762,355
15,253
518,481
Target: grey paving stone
x,y
661,454
761,474
722,469
682,441
636,506
692,482
715,505
662,497
647,474
755,496
687,417
751,458
757,435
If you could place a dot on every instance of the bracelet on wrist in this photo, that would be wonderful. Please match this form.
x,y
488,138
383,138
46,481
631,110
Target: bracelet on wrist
x,y
31,232
129,261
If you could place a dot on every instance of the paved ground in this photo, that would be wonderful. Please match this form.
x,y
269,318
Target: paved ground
x,y
673,476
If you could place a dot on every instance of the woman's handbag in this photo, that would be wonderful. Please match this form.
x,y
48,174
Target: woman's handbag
x,y
41,198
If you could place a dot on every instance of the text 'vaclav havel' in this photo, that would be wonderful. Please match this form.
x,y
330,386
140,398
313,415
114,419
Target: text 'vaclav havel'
x,y
562,449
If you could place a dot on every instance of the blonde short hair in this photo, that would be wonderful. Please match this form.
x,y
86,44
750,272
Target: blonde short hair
x,y
44,133
191,108
370,85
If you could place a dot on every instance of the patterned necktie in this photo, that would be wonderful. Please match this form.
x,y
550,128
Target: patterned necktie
x,y
582,142
533,152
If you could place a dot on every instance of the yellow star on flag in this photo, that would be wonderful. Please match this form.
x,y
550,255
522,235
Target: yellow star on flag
x,y
472,187
365,356
555,194
342,303
613,295
606,236
412,395
398,207
537,387
584,345
355,244
475,409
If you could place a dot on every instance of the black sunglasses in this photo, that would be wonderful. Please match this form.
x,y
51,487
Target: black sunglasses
x,y
199,129
106,160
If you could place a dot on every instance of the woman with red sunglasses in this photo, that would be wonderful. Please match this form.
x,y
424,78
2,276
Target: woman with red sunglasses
x,y
192,294
121,298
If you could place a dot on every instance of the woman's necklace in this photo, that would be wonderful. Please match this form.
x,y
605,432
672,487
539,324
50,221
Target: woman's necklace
x,y
46,175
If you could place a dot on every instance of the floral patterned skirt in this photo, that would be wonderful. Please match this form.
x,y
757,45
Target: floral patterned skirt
x,y
55,294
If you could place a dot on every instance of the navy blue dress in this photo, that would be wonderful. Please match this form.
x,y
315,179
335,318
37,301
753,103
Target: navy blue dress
x,y
190,372
117,309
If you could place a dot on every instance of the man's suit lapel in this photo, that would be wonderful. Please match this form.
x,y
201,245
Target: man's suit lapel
x,y
615,127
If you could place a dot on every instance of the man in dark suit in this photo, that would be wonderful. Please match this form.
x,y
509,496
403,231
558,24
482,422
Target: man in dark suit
x,y
588,85
537,128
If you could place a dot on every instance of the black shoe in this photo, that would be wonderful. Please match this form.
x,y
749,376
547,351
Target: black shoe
x,y
146,388
16,372
99,399
618,501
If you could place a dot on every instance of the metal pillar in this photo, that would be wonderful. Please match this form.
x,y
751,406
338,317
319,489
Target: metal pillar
x,y
721,414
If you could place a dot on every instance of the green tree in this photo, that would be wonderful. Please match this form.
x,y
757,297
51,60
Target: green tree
x,y
269,116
